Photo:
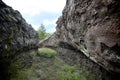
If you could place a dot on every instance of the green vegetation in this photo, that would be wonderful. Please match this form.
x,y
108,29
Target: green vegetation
x,y
42,32
44,68
18,70
10,17
67,72
46,52
59,70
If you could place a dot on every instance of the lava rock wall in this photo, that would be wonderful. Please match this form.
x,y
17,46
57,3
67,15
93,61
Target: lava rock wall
x,y
93,26
15,33
16,36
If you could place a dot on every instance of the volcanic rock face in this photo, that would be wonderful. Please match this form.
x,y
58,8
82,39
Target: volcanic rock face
x,y
16,36
93,27
15,33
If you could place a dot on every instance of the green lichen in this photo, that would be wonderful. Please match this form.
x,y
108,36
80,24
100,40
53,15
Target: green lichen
x,y
10,17
21,31
8,40
20,68
7,46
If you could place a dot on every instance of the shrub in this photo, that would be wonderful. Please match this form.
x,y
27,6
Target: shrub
x,y
46,52
42,32
68,73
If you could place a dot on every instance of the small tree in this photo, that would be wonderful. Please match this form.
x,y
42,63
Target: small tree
x,y
42,32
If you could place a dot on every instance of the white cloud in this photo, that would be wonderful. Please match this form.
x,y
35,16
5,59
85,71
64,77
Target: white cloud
x,y
51,30
47,22
33,7
36,27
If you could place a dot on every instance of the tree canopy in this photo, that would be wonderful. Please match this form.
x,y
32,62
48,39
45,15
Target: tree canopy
x,y
42,32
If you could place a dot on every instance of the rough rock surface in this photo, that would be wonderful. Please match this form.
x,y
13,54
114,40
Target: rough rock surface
x,y
93,27
16,36
15,33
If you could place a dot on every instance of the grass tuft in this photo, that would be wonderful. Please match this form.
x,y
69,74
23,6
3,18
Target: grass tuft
x,y
46,52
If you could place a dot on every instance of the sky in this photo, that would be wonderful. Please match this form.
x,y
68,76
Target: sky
x,y
37,12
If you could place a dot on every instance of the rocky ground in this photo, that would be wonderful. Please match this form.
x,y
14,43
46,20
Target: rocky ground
x,y
33,66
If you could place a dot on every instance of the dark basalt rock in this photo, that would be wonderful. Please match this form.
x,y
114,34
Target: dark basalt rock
x,y
16,36
2,5
15,33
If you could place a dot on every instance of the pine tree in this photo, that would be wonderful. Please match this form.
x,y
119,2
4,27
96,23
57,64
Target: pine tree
x,y
42,32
